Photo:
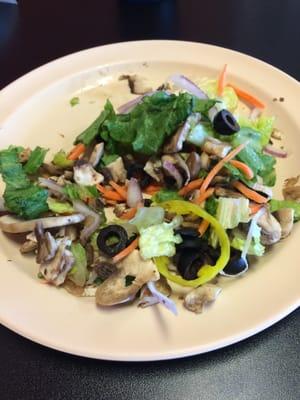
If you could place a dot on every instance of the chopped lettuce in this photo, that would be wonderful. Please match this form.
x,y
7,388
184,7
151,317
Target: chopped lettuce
x,y
147,216
59,207
159,240
11,169
79,272
229,97
276,205
255,248
74,101
211,205
231,212
199,133
165,195
90,133
78,192
28,202
109,158
60,160
263,124
35,160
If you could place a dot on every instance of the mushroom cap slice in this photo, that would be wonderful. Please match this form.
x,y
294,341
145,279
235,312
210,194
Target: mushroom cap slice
x,y
14,225
285,216
196,299
270,229
114,290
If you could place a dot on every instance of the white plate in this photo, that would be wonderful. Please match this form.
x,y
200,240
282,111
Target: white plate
x,y
35,110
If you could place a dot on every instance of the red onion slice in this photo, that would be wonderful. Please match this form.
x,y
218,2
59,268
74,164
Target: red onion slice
x,y
161,298
184,83
127,107
275,152
92,221
134,193
51,185
250,233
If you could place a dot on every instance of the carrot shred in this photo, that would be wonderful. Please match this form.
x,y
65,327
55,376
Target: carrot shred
x,y
249,193
203,196
195,184
221,81
109,194
152,189
244,168
254,208
124,253
119,189
217,168
203,227
249,98
129,214
76,152
111,202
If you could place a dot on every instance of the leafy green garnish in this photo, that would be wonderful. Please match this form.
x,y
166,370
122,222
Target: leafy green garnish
x,y
35,160
129,280
264,125
60,160
59,207
78,192
74,101
165,195
28,203
211,205
109,158
90,133
276,205
11,169
79,272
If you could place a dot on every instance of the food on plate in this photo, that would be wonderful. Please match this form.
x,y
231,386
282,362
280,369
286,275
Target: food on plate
x,y
173,189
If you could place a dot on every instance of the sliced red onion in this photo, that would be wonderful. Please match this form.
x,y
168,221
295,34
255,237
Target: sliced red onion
x,y
92,220
161,298
250,233
127,107
134,193
170,169
50,184
184,83
273,151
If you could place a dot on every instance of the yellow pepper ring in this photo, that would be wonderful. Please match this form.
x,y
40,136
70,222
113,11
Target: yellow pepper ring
x,y
207,272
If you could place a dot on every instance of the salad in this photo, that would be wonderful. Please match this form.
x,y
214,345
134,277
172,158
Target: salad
x,y
157,199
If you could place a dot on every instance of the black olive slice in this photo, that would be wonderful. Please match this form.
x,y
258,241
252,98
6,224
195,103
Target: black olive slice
x,y
225,123
112,239
193,243
187,232
189,264
137,171
235,265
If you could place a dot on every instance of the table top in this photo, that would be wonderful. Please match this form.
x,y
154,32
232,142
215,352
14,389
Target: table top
x,y
266,366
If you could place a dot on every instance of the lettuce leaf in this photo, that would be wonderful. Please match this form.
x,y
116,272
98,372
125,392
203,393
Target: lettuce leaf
x,y
60,160
255,248
59,207
90,133
276,205
11,169
231,212
147,216
35,160
28,202
165,195
78,192
263,124
79,271
229,97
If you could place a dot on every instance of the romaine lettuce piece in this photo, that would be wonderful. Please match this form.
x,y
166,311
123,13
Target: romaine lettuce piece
x,y
263,124
147,216
59,207
35,160
276,205
255,248
60,160
231,211
229,97
79,272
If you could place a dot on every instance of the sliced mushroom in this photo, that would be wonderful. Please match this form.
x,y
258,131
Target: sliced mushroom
x,y
56,270
183,168
52,169
196,299
117,170
291,193
285,217
85,175
146,298
153,167
133,272
175,143
194,164
266,190
270,228
96,155
205,161
224,192
171,171
46,244
14,225
216,147
28,247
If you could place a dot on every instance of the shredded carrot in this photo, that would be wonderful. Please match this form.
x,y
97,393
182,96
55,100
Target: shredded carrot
x,y
124,253
203,196
190,186
249,193
152,189
249,98
129,214
244,168
111,202
76,151
217,168
221,80
119,189
203,227
254,208
109,194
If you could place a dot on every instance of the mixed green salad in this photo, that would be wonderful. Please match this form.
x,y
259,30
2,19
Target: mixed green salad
x,y
157,199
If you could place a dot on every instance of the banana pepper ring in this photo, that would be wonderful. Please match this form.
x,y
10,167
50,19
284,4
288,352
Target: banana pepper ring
x,y
207,272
